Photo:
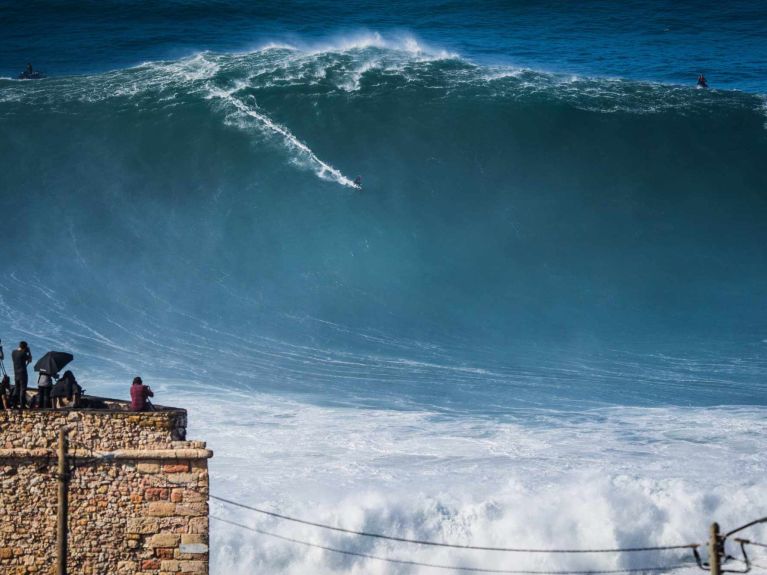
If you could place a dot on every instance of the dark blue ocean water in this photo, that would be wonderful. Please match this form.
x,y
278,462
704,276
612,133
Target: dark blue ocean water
x,y
649,40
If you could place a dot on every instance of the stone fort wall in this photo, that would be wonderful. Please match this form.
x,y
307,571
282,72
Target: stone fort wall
x,y
138,493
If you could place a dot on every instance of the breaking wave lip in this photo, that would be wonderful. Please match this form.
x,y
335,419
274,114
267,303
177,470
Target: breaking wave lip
x,y
305,62
396,42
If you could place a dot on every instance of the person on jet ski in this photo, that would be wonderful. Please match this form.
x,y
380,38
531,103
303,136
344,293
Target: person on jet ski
x,y
30,74
702,82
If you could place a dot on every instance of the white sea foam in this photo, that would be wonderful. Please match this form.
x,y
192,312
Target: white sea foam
x,y
363,40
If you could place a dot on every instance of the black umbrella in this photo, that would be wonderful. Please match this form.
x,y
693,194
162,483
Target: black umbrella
x,y
53,361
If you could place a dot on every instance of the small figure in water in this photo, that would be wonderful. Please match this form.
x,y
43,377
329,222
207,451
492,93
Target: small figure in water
x,y
702,82
30,74
358,182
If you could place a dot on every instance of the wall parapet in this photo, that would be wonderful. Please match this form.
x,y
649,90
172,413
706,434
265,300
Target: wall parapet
x,y
99,429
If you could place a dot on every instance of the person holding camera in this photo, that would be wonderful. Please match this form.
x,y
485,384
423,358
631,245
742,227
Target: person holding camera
x,y
21,357
139,396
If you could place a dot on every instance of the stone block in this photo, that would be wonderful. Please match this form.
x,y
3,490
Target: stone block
x,y
141,525
198,525
191,538
148,467
193,548
128,567
192,509
183,479
163,540
194,566
194,496
156,493
175,468
150,564
161,509
165,552
170,565
6,553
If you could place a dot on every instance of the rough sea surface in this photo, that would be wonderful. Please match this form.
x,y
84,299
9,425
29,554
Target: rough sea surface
x,y
541,322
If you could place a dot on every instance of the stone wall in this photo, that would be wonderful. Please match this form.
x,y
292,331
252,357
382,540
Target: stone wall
x,y
102,429
138,495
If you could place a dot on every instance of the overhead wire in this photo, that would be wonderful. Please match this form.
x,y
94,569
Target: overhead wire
x,y
170,484
746,526
446,567
451,545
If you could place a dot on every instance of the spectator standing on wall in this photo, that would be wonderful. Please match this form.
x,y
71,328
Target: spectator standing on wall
x,y
22,357
139,395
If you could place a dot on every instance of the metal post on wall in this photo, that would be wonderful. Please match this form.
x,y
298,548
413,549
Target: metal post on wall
x,y
63,505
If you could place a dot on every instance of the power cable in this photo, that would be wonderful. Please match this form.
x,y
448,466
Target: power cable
x,y
746,526
451,545
447,567
439,543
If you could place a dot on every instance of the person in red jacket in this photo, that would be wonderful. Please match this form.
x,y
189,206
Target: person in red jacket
x,y
139,395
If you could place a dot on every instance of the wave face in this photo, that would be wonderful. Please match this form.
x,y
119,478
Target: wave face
x,y
522,319
502,209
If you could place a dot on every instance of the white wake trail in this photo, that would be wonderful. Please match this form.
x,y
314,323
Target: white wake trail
x,y
321,169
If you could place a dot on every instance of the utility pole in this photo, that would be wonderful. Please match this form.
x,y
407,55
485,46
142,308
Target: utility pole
x,y
715,550
61,532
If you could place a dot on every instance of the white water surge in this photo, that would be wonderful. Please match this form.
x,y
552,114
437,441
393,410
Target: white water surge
x,y
613,477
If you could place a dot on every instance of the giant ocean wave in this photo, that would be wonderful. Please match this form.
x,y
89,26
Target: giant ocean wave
x,y
533,257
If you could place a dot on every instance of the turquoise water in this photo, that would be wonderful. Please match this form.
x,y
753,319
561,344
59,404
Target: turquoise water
x,y
521,239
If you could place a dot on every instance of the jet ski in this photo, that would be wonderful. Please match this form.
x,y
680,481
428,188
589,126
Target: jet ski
x,y
30,74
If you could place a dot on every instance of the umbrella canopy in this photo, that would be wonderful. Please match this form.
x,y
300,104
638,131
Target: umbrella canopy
x,y
53,362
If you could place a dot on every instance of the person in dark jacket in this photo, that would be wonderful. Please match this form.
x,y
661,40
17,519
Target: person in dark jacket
x,y
139,395
66,391
22,357
5,391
